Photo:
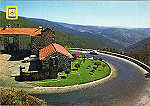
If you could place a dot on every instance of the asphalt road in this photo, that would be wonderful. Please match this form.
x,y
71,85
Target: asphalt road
x,y
124,90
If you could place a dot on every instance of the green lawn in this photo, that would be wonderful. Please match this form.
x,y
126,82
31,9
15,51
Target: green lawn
x,y
80,76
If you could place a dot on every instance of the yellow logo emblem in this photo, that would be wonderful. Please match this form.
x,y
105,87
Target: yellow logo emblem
x,y
11,12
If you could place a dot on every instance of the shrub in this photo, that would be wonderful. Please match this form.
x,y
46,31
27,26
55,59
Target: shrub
x,y
98,64
87,56
103,65
89,66
63,77
100,59
77,65
18,97
79,62
95,63
94,68
91,73
94,58
60,70
75,57
67,71
74,69
84,57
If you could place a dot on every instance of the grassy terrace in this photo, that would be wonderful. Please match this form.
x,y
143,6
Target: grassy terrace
x,y
87,72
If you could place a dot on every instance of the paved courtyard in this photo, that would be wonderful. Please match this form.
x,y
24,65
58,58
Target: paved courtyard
x,y
9,69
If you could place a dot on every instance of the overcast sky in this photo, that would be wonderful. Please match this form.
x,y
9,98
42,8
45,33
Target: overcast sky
x,y
101,13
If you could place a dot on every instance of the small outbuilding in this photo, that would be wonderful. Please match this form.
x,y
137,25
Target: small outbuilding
x,y
55,58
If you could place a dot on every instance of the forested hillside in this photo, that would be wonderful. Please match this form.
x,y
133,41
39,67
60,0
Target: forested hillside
x,y
114,37
63,38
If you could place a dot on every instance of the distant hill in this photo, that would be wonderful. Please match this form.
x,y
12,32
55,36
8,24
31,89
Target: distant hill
x,y
112,36
139,45
63,38
140,51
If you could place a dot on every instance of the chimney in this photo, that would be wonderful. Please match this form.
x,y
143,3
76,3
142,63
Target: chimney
x,y
41,27
5,27
18,25
9,25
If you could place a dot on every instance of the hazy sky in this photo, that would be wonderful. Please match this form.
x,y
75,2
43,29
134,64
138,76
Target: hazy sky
x,y
101,13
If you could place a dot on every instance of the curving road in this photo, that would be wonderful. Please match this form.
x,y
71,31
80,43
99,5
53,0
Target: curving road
x,y
125,89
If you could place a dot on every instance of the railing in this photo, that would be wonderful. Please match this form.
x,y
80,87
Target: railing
x,y
141,64
144,66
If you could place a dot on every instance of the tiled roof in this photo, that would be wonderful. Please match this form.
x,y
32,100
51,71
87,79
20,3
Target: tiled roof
x,y
45,52
50,49
62,50
25,31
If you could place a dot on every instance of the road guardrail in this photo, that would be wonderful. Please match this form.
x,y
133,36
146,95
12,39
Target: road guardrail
x,y
141,64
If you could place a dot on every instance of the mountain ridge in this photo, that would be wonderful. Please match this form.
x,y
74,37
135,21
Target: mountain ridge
x,y
118,38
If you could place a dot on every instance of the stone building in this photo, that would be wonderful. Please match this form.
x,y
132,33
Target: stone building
x,y
56,58
51,57
17,39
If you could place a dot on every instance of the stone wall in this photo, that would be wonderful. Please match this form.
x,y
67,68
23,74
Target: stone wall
x,y
15,43
46,37
55,63
34,76
62,61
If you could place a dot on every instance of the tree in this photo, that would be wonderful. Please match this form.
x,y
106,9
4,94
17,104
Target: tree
x,y
77,65
95,58
74,57
84,57
95,63
100,59
67,72
79,62
103,65
94,68
98,64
